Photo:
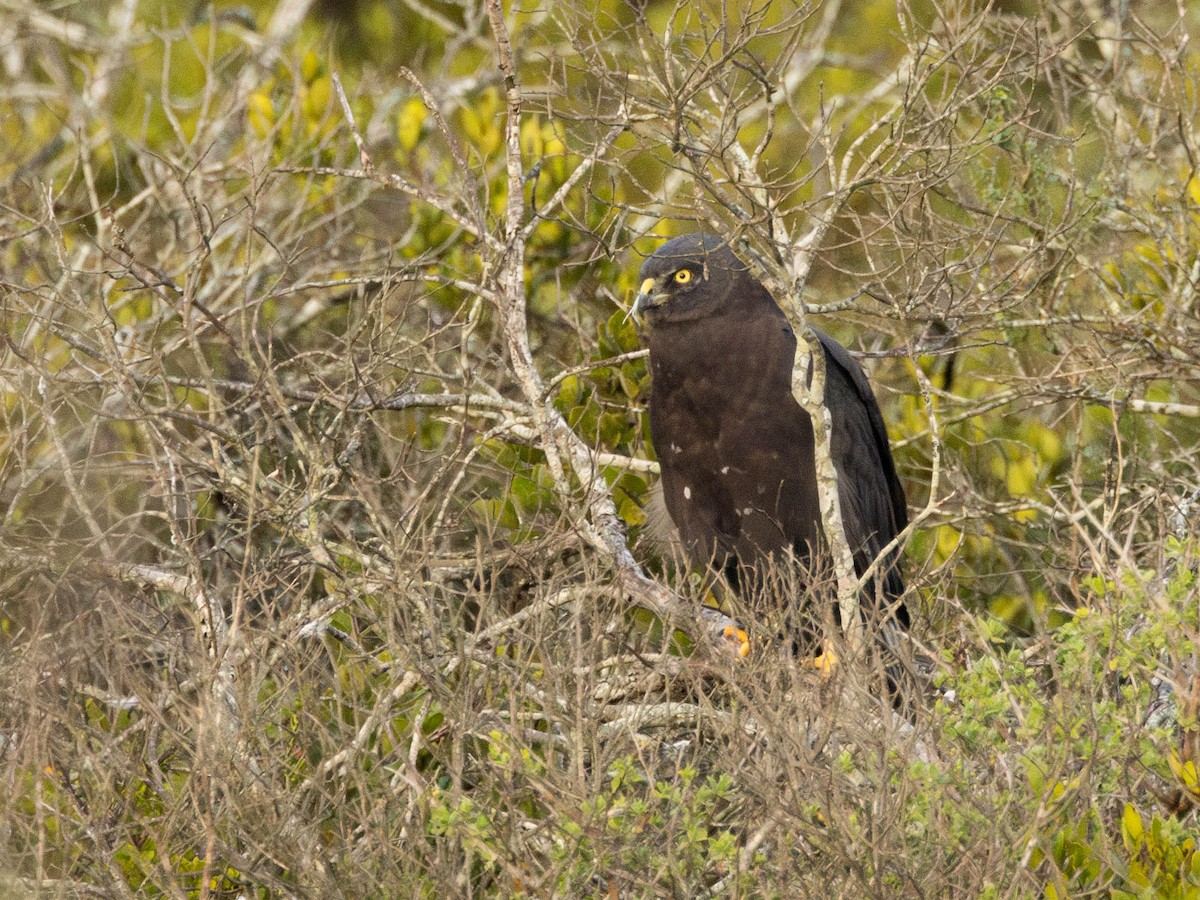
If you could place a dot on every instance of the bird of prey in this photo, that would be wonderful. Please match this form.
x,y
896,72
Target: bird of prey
x,y
735,448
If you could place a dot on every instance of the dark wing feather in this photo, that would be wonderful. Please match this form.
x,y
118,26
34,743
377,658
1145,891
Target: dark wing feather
x,y
873,503
878,431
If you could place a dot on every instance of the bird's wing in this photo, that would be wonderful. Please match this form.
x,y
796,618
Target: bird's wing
x,y
873,505
876,430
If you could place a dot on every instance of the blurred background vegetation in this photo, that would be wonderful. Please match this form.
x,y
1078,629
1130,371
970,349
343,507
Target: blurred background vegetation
x,y
309,586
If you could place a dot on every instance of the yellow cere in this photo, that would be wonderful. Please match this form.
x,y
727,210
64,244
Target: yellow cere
x,y
647,286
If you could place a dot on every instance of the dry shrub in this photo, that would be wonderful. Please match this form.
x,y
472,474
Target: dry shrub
x,y
323,446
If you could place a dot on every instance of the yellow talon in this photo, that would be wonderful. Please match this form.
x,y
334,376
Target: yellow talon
x,y
823,662
736,636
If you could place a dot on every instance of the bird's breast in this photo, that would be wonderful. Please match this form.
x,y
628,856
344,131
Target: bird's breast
x,y
734,446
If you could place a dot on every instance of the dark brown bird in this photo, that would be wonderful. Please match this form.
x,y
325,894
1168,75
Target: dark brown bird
x,y
737,450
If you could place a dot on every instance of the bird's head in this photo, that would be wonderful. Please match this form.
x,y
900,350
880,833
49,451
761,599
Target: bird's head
x,y
691,276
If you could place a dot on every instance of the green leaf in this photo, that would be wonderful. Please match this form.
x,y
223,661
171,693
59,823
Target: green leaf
x,y
409,123
1131,829
570,392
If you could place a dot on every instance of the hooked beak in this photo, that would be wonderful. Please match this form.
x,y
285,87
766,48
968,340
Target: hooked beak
x,y
648,297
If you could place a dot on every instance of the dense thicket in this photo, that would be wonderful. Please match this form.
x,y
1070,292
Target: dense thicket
x,y
324,459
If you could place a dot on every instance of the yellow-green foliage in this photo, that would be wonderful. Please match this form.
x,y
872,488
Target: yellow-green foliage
x,y
246,375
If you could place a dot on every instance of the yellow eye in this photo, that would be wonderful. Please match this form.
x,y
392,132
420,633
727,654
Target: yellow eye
x,y
683,276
